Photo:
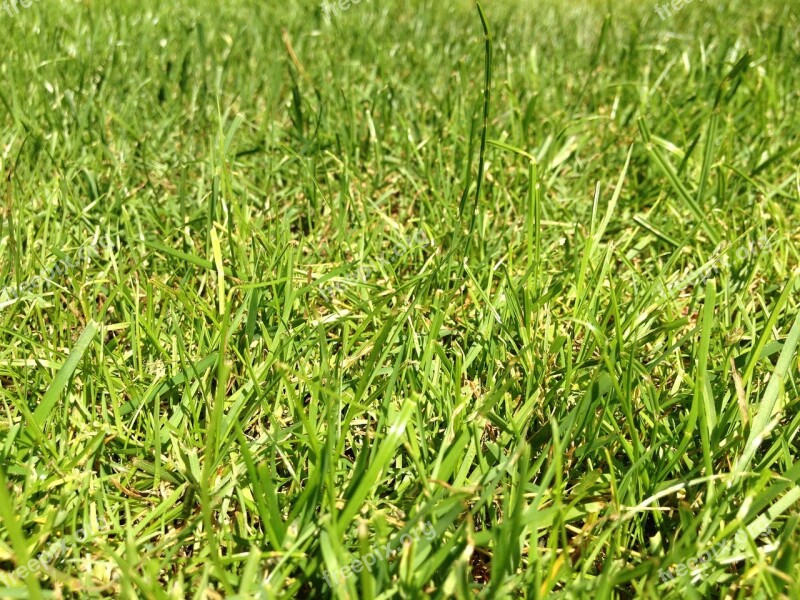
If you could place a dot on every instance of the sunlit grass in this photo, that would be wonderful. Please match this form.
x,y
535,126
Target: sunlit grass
x,y
264,316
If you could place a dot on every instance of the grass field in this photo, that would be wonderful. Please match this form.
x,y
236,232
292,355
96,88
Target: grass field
x,y
404,300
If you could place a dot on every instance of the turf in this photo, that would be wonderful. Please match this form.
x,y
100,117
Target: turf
x,y
410,300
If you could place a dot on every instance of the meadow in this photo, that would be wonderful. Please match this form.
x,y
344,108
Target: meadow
x,y
390,299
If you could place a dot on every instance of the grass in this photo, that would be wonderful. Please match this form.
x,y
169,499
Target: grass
x,y
279,290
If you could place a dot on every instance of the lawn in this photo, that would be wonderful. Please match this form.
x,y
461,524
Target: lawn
x,y
390,299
